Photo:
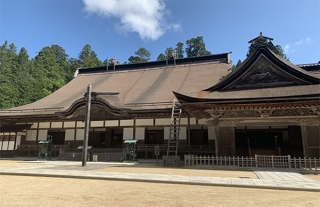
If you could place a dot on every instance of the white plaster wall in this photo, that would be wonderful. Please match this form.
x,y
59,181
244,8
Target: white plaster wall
x,y
80,134
4,145
211,133
43,134
144,122
161,122
80,124
202,122
126,122
11,145
184,121
31,135
111,123
127,133
69,135
69,124
44,124
96,123
140,133
34,125
56,125
18,141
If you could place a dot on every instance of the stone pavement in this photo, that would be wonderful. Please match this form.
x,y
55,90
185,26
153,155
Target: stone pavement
x,y
267,179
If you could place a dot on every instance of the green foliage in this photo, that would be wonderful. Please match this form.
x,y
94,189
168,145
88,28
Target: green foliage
x,y
235,66
179,50
89,58
8,75
196,47
280,52
23,81
142,56
161,57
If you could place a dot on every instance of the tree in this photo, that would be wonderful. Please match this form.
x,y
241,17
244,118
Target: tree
x,y
143,56
179,50
196,47
88,57
161,57
25,80
62,60
235,66
9,93
280,52
47,72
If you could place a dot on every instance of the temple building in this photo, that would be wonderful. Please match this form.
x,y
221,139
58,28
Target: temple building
x,y
266,105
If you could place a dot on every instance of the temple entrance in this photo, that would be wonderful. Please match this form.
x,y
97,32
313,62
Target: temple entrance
x,y
268,141
199,136
57,136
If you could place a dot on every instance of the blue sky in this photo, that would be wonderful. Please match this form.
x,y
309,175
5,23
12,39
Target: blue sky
x,y
120,27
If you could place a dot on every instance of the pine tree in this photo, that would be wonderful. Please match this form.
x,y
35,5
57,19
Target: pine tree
x,y
8,76
89,58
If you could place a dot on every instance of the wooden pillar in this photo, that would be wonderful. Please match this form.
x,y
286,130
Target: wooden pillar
x,y
189,136
304,137
217,132
134,129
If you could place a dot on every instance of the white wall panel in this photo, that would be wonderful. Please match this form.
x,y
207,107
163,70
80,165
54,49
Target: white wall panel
x,y
4,145
80,134
80,124
211,133
140,133
193,121
184,121
111,123
97,123
34,125
162,122
127,133
126,122
31,135
202,122
11,145
69,135
44,125
144,122
43,134
18,141
57,125
69,124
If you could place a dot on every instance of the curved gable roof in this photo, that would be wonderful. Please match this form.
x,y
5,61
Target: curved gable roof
x,y
264,69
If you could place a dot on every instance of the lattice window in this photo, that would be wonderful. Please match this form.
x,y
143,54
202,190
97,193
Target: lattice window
x,y
226,134
313,134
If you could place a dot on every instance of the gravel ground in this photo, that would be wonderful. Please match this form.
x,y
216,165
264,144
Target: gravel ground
x,y
42,191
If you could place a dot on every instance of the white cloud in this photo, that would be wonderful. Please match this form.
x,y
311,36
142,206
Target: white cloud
x,y
302,41
290,48
286,48
146,17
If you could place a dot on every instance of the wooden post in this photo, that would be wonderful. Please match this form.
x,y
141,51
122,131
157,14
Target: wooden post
x,y
304,140
289,160
86,129
189,136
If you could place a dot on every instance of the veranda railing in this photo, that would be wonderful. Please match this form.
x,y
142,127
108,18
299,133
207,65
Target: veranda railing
x,y
259,161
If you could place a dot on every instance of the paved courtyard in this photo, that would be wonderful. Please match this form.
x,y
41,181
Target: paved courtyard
x,y
95,170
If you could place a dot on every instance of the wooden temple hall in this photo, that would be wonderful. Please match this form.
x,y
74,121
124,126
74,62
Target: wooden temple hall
x,y
266,105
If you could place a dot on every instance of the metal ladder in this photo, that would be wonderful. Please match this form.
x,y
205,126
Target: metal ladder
x,y
173,142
